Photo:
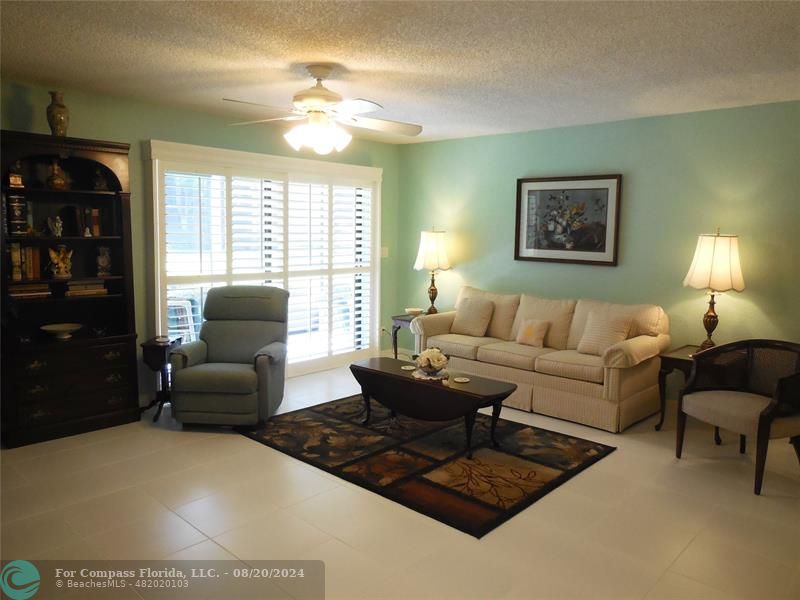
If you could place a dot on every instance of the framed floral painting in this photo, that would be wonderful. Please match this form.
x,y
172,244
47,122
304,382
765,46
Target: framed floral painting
x,y
568,219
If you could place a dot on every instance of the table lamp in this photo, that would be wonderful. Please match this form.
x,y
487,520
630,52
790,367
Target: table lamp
x,y
716,268
432,256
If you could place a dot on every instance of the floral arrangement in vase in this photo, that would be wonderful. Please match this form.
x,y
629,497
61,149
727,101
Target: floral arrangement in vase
x,y
431,361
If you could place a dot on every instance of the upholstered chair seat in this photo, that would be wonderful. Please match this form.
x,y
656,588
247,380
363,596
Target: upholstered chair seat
x,y
234,374
751,388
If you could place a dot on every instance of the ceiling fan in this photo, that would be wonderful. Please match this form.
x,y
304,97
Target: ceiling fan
x,y
323,110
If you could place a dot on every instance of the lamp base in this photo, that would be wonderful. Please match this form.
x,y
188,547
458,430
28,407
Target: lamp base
x,y
710,322
432,293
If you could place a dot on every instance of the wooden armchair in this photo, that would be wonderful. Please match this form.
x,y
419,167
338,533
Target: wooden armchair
x,y
751,387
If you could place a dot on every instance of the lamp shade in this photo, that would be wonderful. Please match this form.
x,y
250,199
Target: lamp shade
x,y
432,255
716,265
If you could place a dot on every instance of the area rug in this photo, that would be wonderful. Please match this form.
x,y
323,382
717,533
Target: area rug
x,y
423,465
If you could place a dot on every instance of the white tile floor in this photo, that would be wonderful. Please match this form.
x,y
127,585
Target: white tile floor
x,y
639,524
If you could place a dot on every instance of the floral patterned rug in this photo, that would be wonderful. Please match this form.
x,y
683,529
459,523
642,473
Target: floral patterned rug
x,y
423,466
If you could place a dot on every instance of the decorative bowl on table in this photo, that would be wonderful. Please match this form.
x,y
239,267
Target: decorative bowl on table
x,y
431,364
414,312
61,331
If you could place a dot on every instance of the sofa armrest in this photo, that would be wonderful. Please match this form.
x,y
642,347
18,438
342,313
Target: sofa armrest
x,y
187,355
630,353
426,326
436,324
275,352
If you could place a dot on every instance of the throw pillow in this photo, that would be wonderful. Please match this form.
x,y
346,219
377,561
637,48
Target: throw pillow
x,y
603,331
532,332
472,317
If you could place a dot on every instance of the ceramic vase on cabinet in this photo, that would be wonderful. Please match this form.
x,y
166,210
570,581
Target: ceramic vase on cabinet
x,y
57,114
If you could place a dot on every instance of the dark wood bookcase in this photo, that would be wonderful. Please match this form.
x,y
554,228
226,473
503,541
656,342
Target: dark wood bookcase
x,y
52,387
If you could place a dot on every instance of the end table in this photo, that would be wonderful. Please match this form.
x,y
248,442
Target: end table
x,y
679,359
155,353
399,322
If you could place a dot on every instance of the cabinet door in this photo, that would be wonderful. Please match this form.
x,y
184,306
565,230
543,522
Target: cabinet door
x,y
67,407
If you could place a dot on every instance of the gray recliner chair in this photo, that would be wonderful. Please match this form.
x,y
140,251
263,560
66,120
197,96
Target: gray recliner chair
x,y
234,374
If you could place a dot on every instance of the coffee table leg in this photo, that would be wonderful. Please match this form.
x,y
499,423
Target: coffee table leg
x,y
469,421
496,408
365,395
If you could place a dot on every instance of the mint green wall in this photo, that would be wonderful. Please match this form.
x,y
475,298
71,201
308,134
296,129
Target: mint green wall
x,y
135,122
737,169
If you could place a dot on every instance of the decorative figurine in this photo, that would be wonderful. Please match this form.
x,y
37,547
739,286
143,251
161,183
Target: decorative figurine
x,y
15,175
61,262
87,232
57,114
56,180
100,183
56,226
103,261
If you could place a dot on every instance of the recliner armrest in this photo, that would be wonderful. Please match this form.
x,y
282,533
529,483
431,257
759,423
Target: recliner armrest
x,y
633,351
189,354
275,352
436,324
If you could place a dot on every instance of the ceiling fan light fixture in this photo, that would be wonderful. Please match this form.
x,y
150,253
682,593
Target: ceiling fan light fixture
x,y
320,134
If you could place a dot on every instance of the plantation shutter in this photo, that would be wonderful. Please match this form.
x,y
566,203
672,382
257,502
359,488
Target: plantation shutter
x,y
308,236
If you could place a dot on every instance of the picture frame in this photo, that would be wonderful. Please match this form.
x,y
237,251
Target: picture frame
x,y
573,219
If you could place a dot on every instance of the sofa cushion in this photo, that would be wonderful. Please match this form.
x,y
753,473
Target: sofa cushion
x,y
463,346
557,312
572,365
473,316
602,332
511,354
230,378
532,332
505,308
647,319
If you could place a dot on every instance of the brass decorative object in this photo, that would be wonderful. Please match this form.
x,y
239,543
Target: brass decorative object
x,y
61,262
56,181
57,114
15,175
710,321
432,293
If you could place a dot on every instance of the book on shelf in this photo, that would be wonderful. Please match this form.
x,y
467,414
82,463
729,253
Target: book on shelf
x,y
28,287
16,262
97,292
31,263
86,286
29,294
96,231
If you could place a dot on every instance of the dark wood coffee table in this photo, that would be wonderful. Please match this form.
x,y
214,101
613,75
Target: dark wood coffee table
x,y
383,380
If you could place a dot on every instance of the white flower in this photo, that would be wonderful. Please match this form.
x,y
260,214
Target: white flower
x,y
433,358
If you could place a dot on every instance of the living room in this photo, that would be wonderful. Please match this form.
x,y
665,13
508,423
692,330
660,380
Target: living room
x,y
684,115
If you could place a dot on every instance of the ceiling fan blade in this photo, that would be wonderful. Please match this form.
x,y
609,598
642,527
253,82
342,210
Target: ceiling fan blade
x,y
289,118
395,127
275,108
356,106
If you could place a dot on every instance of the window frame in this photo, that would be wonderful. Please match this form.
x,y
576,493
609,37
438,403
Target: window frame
x,y
173,156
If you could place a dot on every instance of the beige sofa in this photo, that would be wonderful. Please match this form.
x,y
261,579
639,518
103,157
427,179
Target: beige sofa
x,y
611,391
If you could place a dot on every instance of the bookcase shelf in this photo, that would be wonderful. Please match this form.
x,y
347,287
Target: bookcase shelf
x,y
107,340
64,238
56,194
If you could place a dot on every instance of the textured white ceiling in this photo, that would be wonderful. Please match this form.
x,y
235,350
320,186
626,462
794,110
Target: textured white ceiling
x,y
457,68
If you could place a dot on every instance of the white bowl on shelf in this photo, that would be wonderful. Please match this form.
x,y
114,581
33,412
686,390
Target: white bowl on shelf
x,y
414,312
61,331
